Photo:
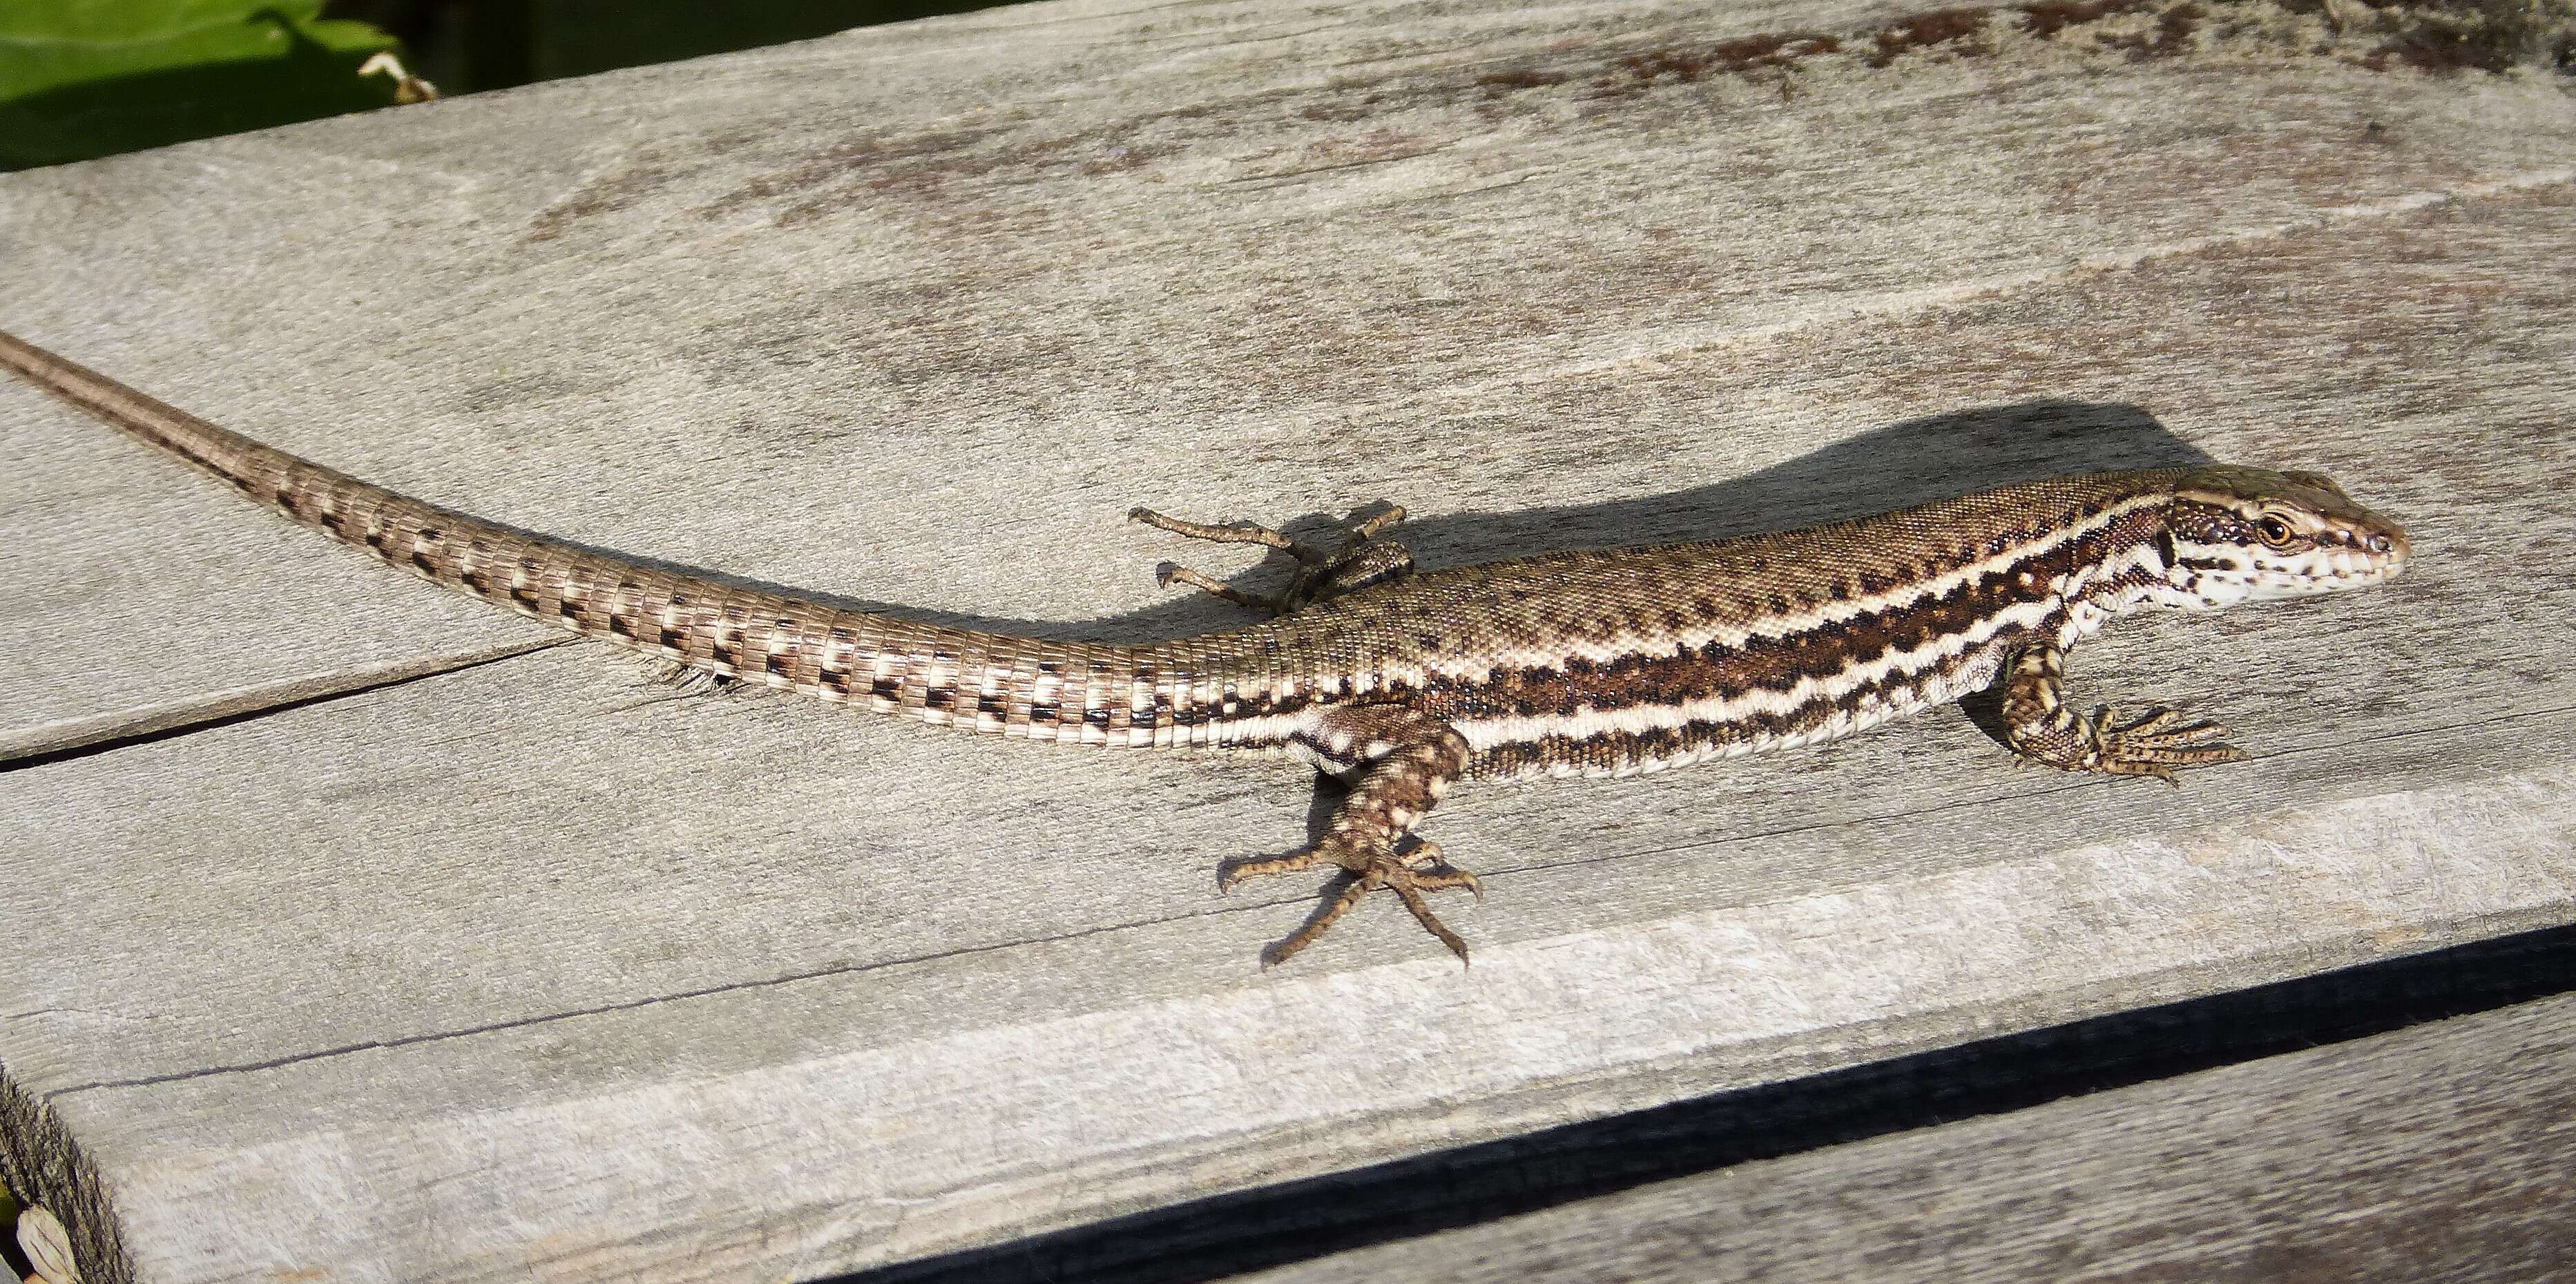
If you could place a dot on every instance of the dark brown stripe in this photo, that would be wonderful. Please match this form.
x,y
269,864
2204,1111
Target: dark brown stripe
x,y
1762,662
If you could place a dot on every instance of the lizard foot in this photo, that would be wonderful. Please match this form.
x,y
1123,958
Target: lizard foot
x,y
2154,745
2042,727
1371,865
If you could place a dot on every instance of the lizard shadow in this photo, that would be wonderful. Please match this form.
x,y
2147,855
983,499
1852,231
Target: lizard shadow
x,y
1915,461
1911,462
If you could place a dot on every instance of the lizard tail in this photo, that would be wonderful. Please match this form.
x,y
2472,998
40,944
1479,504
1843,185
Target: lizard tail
x,y
1170,693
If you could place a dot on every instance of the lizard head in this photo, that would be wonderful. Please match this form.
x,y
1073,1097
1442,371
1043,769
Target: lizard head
x,y
2246,534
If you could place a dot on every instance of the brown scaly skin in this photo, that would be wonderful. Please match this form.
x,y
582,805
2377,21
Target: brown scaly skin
x,y
1402,683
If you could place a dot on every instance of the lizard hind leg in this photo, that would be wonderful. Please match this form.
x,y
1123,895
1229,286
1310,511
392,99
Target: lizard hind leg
x,y
2042,727
1357,560
1401,762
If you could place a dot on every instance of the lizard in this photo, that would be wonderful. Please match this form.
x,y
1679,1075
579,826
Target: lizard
x,y
1403,682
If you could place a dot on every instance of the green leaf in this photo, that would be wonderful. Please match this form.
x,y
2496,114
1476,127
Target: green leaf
x,y
84,78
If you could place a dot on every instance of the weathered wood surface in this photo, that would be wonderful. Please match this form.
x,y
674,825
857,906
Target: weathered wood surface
x,y
2437,1152
527,967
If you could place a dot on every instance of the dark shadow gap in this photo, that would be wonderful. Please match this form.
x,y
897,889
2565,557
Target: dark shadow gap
x,y
1296,1221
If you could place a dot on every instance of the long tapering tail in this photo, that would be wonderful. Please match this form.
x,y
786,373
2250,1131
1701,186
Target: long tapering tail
x,y
1171,693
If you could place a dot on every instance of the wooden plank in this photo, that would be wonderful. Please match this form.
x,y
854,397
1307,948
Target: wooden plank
x,y
2436,1152
526,967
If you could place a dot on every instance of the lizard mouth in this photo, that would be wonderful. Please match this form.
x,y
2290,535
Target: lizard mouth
x,y
2330,572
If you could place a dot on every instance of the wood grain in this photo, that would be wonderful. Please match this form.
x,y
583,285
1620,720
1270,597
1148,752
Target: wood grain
x,y
2438,1152
525,967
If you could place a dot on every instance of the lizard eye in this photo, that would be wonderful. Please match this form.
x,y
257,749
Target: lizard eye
x,y
2275,532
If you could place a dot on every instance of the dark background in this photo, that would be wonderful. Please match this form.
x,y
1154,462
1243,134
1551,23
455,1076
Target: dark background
x,y
80,79
466,46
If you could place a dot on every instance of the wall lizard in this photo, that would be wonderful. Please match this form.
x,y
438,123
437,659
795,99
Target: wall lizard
x,y
1402,683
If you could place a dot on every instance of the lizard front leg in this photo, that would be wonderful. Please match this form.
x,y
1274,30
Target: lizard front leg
x,y
1400,762
2042,727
